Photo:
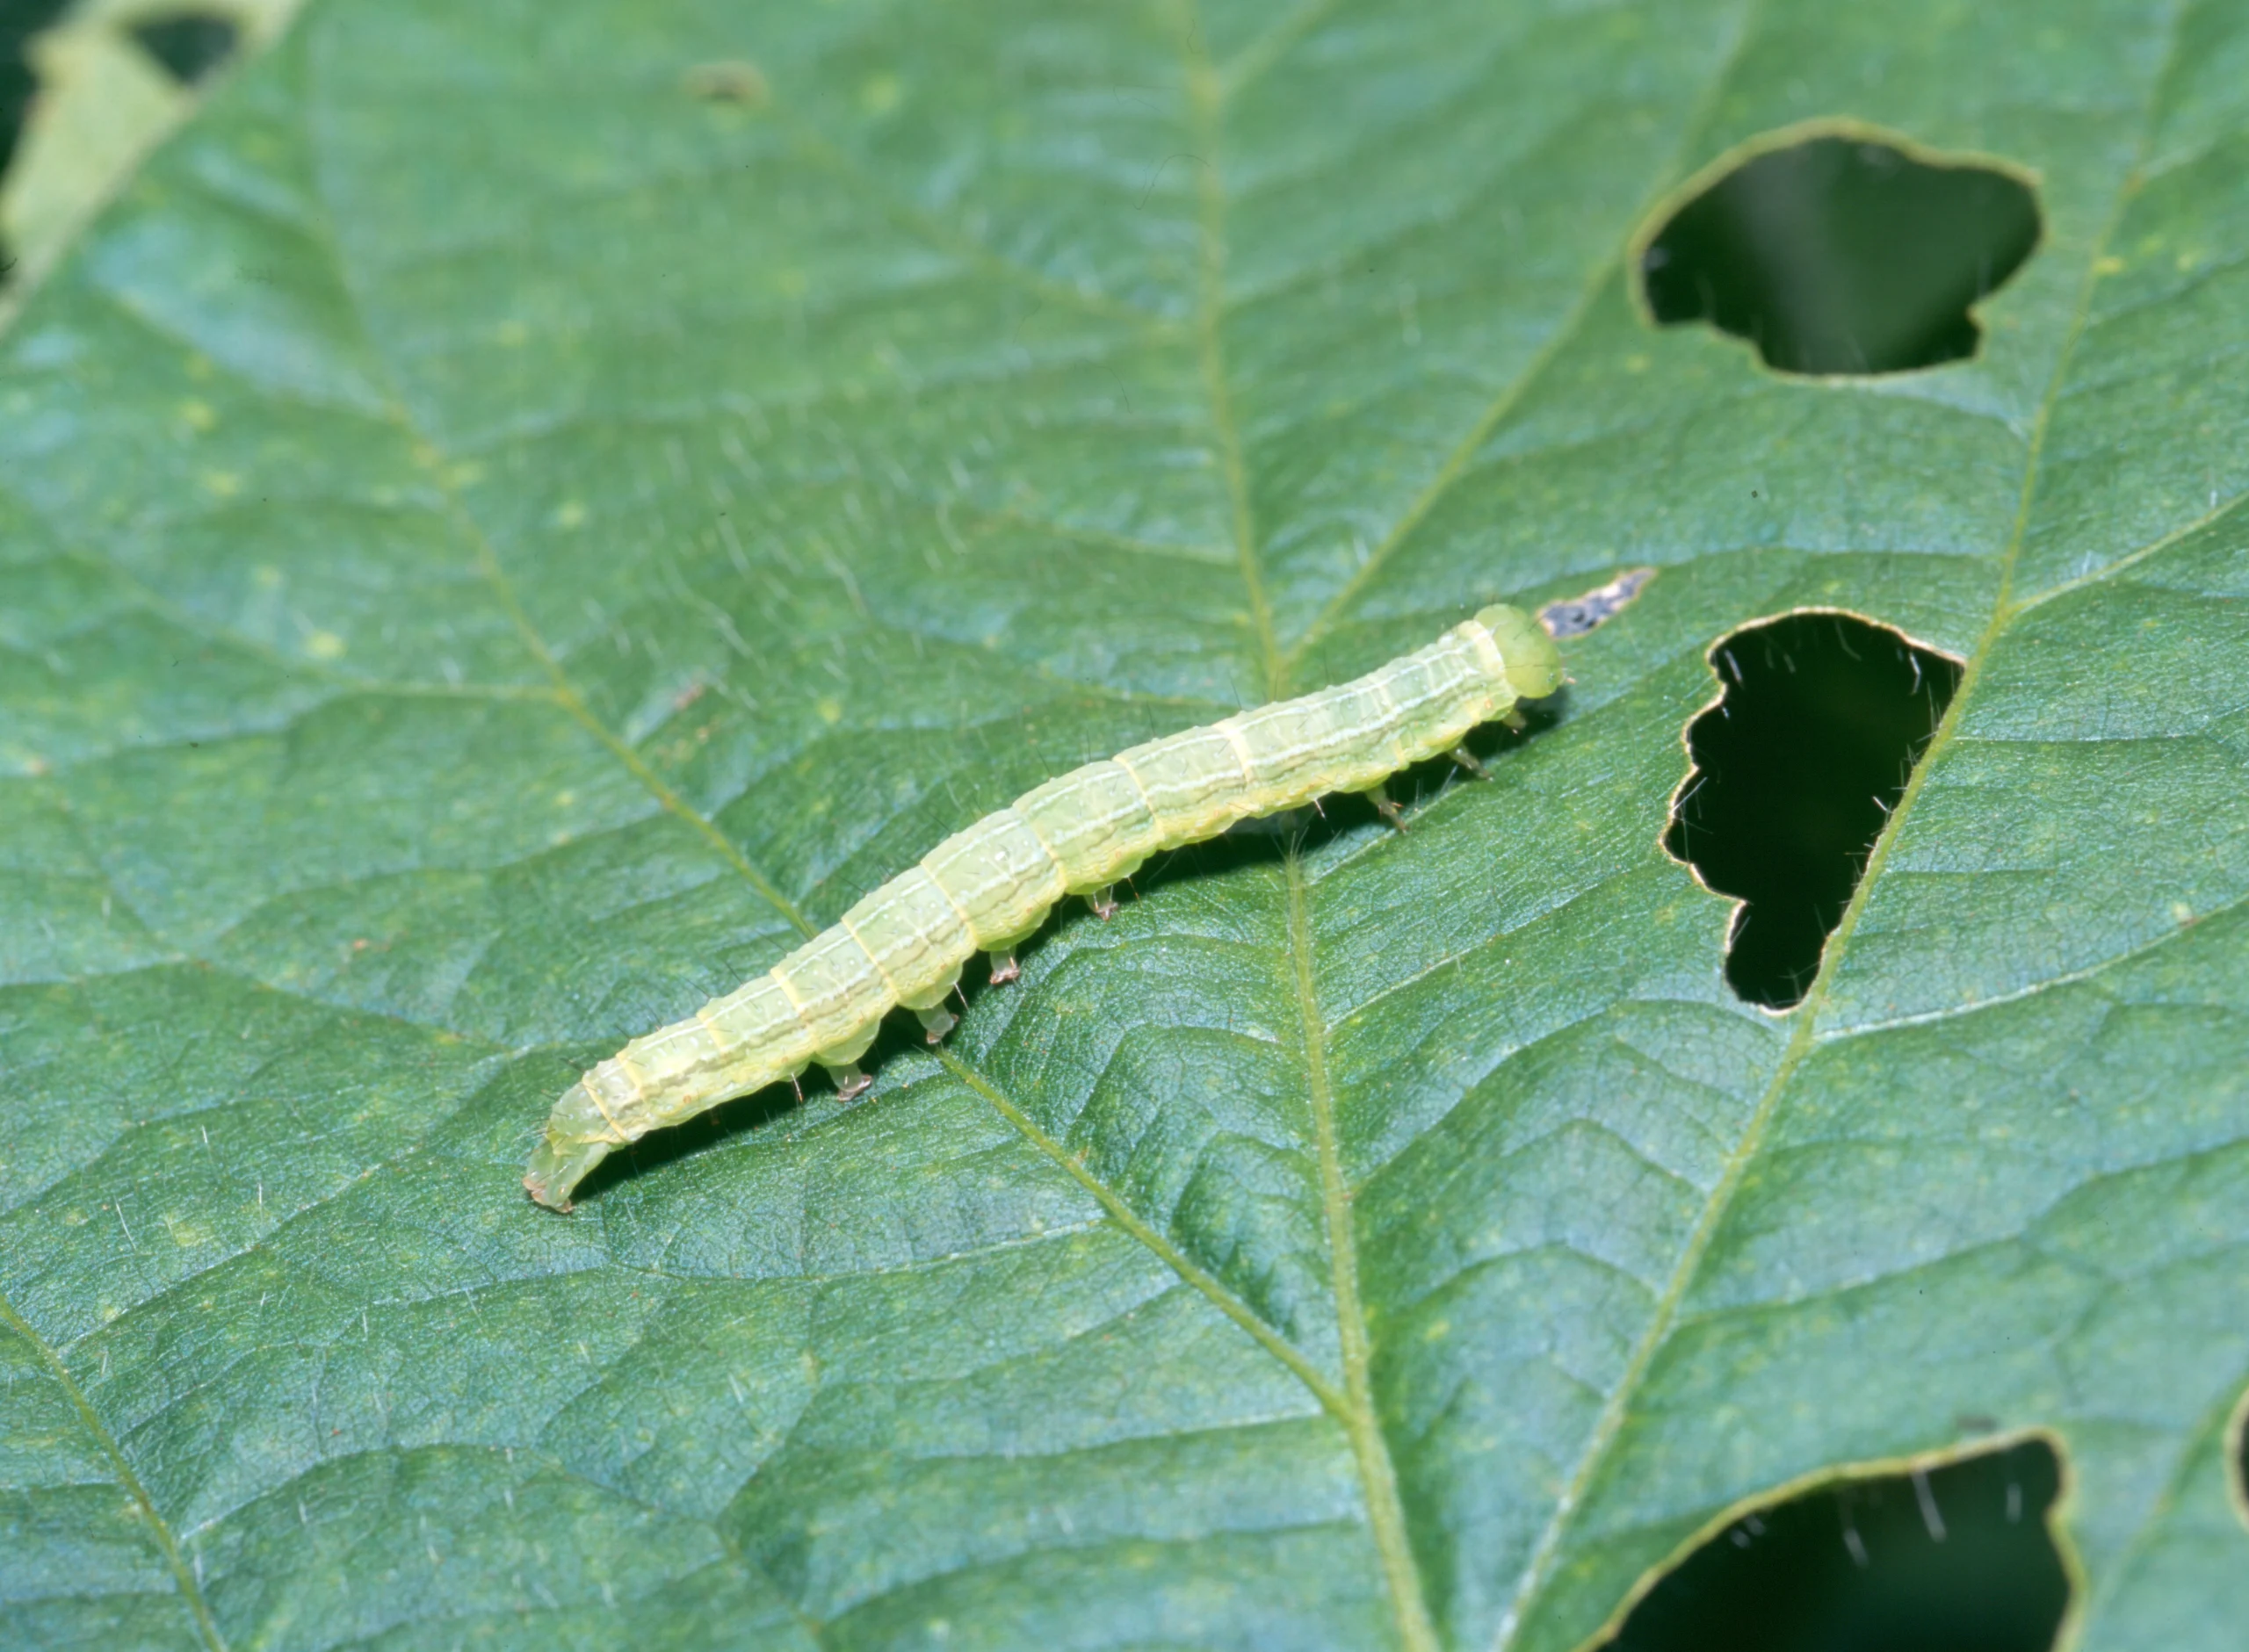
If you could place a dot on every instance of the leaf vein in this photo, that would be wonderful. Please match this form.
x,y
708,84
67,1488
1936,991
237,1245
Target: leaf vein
x,y
1801,1042
1378,1475
182,1575
1460,460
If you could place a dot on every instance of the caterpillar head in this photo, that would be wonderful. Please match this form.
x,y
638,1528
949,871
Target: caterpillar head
x,y
1530,665
579,1135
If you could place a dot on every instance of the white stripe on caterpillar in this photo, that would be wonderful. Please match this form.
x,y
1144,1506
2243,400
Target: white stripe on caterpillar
x,y
988,889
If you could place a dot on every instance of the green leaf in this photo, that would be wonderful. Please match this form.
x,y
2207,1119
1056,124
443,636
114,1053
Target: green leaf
x,y
506,523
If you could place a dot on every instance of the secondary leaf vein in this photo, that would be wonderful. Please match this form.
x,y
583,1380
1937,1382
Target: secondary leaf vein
x,y
182,1575
1802,1040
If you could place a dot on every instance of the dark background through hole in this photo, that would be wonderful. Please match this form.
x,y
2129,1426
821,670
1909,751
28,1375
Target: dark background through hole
x,y
19,20
1838,255
191,44
1960,1562
1795,771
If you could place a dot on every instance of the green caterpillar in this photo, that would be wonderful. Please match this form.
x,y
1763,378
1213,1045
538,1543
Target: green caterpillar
x,y
988,889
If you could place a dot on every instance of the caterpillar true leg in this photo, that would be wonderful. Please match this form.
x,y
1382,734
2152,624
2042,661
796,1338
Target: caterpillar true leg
x,y
1385,805
1467,759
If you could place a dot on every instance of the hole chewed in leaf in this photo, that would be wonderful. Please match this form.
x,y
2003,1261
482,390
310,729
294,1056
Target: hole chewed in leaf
x,y
18,25
191,44
1843,255
1795,770
1954,1558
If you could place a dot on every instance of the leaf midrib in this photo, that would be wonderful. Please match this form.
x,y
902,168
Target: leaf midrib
x,y
1206,88
1370,1446
567,695
1206,117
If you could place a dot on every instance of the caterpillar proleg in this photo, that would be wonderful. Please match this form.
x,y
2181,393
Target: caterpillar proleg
x,y
988,888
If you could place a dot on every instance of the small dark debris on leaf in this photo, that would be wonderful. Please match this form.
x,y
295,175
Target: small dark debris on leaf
x,y
1574,616
734,81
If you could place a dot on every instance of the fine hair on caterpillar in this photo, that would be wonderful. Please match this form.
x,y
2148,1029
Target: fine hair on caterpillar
x,y
988,888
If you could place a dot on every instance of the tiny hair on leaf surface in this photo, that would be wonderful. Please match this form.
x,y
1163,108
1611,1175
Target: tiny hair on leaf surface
x,y
514,519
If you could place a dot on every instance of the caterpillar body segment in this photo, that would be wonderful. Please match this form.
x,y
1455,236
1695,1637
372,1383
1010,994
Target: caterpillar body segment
x,y
988,889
